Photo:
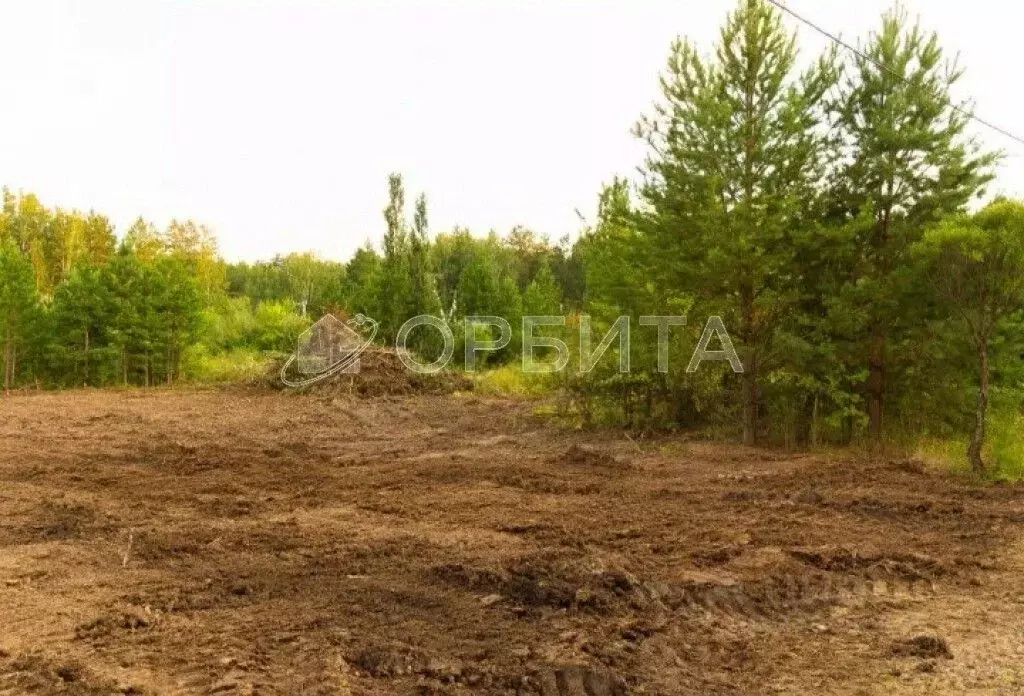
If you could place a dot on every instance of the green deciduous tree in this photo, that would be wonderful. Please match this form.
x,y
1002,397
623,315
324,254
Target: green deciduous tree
x,y
977,266
144,240
362,281
395,284
543,296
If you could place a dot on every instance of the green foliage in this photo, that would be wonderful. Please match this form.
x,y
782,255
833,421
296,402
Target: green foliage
x,y
17,308
165,305
737,154
510,380
789,204
126,322
276,327
314,286
976,267
543,296
232,366
905,164
54,241
822,213
362,281
80,314
395,288
1006,447
234,324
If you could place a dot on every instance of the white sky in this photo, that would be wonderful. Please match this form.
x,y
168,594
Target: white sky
x,y
276,123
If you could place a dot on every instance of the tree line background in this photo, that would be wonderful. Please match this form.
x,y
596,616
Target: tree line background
x,y
828,207
80,307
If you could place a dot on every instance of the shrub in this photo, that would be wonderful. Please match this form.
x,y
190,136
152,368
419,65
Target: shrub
x,y
234,365
510,380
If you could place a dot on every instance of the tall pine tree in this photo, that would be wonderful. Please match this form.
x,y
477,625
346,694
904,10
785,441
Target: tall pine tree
x,y
737,153
907,163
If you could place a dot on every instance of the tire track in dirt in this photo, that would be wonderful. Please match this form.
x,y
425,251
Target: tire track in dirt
x,y
457,545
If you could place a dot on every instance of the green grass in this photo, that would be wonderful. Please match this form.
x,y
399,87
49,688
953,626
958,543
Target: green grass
x,y
238,365
944,453
1003,453
510,380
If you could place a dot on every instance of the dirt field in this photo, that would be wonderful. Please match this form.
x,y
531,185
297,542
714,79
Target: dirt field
x,y
245,543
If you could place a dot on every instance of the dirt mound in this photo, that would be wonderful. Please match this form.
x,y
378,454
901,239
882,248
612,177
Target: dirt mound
x,y
906,566
37,673
574,679
590,457
553,580
392,660
922,646
381,373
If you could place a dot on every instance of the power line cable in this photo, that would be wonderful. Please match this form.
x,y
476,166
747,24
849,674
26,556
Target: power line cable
x,y
864,56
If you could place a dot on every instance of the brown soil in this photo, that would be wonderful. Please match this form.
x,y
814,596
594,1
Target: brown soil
x,y
266,543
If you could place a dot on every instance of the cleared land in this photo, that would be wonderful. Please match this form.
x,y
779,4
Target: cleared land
x,y
226,543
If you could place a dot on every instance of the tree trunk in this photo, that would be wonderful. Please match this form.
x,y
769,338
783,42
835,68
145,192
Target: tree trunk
x,y
749,368
750,402
86,380
978,438
876,351
176,364
814,423
876,385
8,358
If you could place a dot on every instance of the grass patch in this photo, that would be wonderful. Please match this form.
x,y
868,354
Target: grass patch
x,y
510,380
1005,446
1003,452
949,454
234,366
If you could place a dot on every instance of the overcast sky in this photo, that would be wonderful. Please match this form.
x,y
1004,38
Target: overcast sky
x,y
276,123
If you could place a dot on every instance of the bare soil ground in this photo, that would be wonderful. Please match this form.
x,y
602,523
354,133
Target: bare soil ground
x,y
259,543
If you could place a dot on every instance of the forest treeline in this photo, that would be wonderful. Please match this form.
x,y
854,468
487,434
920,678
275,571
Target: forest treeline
x,y
829,208
80,307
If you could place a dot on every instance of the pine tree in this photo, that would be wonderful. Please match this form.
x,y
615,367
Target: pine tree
x,y
737,154
18,304
129,314
617,259
176,300
80,315
907,164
